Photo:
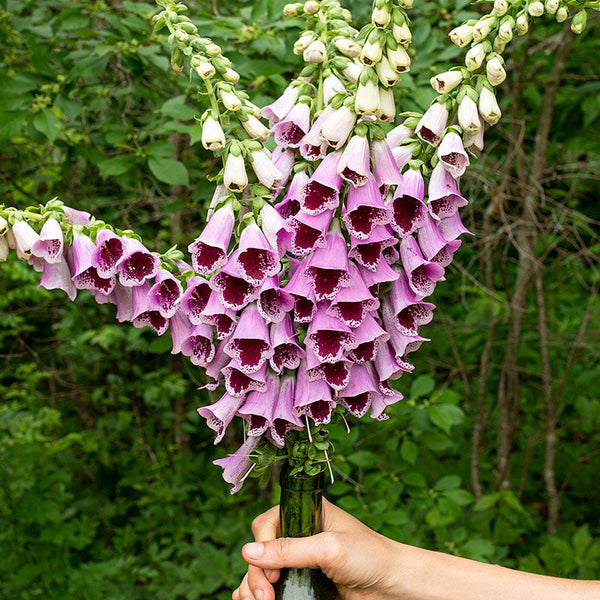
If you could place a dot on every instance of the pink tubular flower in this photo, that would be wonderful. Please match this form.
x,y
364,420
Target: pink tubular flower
x,y
312,398
265,169
123,298
198,346
354,165
165,295
452,227
397,135
284,161
328,337
309,231
236,466
387,366
291,129
195,299
255,258
221,413
327,269
258,407
444,195
433,244
109,252
402,343
382,274
283,418
422,275
336,127
273,227
49,245
25,238
336,374
368,252
209,250
313,147
322,190
273,302
402,155
231,285
408,209
358,394
250,345
214,368
180,329
286,351
138,264
290,205
305,302
85,276
385,168
352,303
432,124
76,217
56,276
239,383
368,336
381,402
217,315
452,154
365,210
279,109
332,86
143,314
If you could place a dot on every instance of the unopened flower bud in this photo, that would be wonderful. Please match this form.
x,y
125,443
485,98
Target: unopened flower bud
x,y
235,177
500,7
3,226
446,82
230,100
347,47
399,59
482,28
522,24
311,7
289,10
402,33
303,42
213,137
505,31
474,57
371,53
367,99
380,17
4,249
579,21
352,71
552,6
386,74
468,116
204,69
25,237
231,76
536,9
255,129
316,52
346,15
405,4
387,107
212,49
488,106
562,14
462,36
499,45
495,71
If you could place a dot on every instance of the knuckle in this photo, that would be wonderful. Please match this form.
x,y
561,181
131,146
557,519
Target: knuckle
x,y
257,524
280,548
330,549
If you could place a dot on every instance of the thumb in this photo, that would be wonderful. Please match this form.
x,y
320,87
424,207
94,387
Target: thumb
x,y
314,552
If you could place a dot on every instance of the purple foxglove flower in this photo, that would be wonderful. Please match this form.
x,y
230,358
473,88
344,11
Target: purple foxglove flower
x,y
322,191
258,408
385,168
402,154
382,274
365,210
236,466
327,270
123,297
286,351
199,347
444,195
387,366
274,227
445,256
256,259
195,299
452,227
283,418
138,264
381,402
25,238
368,252
250,345
36,263
239,383
49,245
278,110
214,367
433,123
217,315
220,414
220,192
408,209
332,86
422,275
284,161
180,329
231,285
309,231
368,335
290,205
291,129
76,217
209,250
328,337
338,125
57,276
165,295
391,255
405,308
313,147
352,303
358,394
109,252
273,302
312,398
101,298
85,276
336,374
452,154
404,344
434,246
305,302
143,313
266,171
354,165
397,135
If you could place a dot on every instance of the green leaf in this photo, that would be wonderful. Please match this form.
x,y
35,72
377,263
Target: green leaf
x,y
422,386
396,517
413,479
11,123
445,416
169,171
486,502
478,548
161,345
363,458
409,451
460,497
176,109
48,124
117,165
448,482
195,133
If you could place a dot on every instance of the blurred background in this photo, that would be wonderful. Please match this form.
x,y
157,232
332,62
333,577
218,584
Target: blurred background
x,y
107,490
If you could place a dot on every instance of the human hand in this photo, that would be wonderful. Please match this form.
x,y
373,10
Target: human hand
x,y
356,558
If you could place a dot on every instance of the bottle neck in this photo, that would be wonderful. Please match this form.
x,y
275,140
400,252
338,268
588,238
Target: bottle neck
x,y
301,504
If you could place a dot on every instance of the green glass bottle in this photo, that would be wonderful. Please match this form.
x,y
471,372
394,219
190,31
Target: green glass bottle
x,y
300,516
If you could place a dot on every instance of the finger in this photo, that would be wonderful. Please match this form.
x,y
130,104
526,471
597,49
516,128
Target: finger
x,y
244,590
236,594
265,528
259,583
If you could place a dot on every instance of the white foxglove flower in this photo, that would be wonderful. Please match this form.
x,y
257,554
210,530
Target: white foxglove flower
x,y
536,9
579,21
336,128
433,123
255,129
347,47
212,49
499,45
522,24
235,177
311,7
380,17
204,69
315,53
462,36
402,33
474,143
482,28
552,6
371,53
495,71
468,116
266,172
446,82
474,57
399,59
387,108
352,71
505,31
10,239
303,42
230,100
231,76
3,226
562,14
367,100
386,74
4,249
500,7
25,237
488,106
213,137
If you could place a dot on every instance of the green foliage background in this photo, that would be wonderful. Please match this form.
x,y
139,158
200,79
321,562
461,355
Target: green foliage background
x,y
107,490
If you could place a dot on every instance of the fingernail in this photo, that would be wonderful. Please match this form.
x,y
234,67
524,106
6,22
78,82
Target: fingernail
x,y
258,594
254,550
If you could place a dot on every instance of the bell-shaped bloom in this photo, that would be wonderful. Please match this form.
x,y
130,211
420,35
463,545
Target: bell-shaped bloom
x,y
250,345
381,402
284,161
403,154
138,264
209,249
236,466
199,347
257,410
332,86
328,337
273,302
352,303
278,110
265,169
239,383
468,116
422,275
219,316
25,238
402,343
488,106
354,165
312,398
57,276
368,252
336,128
322,191
255,258
305,302
221,413
283,418
385,169
382,274
327,270
391,255
214,368
195,298
308,231
452,154
49,244
386,365
84,274
367,100
291,129
452,227
287,354
474,143
290,205
180,329
144,315
336,374
432,242
397,135
123,299
273,226
368,336
313,146
235,177
433,123
358,394
109,253
232,286
365,210
165,295
76,217
444,195
408,209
